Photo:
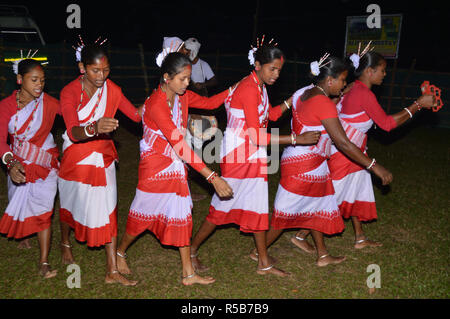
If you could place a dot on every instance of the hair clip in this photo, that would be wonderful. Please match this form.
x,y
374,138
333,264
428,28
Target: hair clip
x,y
81,45
251,52
315,66
16,62
355,57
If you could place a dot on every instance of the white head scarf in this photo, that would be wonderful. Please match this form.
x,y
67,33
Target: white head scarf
x,y
172,42
193,45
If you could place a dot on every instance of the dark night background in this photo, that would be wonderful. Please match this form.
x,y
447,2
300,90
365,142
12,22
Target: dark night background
x,y
305,28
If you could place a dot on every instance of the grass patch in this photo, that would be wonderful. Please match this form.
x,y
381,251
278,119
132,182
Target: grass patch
x,y
413,223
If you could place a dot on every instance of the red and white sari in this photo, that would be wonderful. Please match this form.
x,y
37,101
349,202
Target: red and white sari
x,y
305,196
87,177
358,109
30,205
244,158
162,203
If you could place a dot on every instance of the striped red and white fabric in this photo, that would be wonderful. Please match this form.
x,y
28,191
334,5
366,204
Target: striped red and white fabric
x,y
87,178
244,166
305,196
30,205
352,182
162,203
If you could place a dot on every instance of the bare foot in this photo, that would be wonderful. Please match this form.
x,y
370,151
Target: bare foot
x,y
122,265
197,265
24,244
273,271
365,242
66,254
254,256
116,277
303,244
46,271
327,260
196,279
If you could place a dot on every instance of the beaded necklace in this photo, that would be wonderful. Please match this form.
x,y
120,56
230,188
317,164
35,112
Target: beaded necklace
x,y
180,114
323,91
265,121
99,97
21,140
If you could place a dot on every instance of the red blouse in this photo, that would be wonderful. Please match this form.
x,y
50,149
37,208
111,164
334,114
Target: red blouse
x,y
157,117
317,108
70,99
361,98
8,108
247,97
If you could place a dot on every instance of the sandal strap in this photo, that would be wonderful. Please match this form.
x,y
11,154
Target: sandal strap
x,y
120,255
265,269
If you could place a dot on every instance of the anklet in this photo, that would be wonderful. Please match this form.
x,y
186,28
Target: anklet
x,y
299,238
194,255
120,255
361,241
188,276
323,256
265,269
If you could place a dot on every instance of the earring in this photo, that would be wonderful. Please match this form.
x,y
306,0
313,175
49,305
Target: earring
x,y
19,81
82,71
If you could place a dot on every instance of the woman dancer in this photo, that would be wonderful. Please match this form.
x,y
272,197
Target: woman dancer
x,y
359,110
305,198
87,178
27,115
244,157
163,203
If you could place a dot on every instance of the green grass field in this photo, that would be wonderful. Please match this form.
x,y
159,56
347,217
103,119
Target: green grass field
x,y
413,223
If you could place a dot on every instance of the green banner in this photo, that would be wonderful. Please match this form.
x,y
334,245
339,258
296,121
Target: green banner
x,y
386,39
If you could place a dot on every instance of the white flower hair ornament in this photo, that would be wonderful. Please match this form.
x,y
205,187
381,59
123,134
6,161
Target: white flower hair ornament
x,y
315,69
251,55
251,52
15,64
355,60
162,55
356,57
316,65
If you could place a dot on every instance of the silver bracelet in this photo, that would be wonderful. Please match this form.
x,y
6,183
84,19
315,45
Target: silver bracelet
x,y
293,139
409,112
4,155
86,132
287,105
371,164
